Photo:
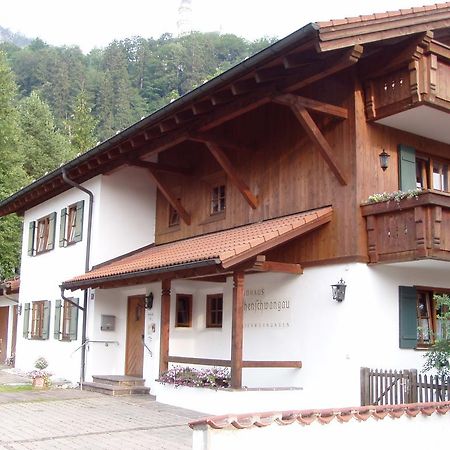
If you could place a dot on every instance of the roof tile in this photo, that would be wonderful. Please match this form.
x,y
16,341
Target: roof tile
x,y
222,246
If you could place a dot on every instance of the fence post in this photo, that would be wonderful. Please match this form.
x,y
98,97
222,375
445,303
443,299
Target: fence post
x,y
412,394
365,386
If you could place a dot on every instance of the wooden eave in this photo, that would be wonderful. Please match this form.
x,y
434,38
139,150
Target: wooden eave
x,y
337,34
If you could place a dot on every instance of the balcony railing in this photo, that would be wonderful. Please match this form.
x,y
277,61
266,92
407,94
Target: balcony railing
x,y
411,229
424,80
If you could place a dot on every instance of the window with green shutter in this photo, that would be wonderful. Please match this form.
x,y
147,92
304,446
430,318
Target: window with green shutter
x,y
26,320
408,316
71,225
40,319
66,320
407,168
31,238
41,237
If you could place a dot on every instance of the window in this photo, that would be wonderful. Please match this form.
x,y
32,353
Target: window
x,y
41,235
420,312
66,320
421,171
218,199
174,217
36,320
71,226
214,311
183,311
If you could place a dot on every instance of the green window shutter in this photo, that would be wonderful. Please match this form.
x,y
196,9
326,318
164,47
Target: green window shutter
x,y
56,332
73,321
46,321
62,228
26,320
31,231
51,231
79,222
407,168
408,316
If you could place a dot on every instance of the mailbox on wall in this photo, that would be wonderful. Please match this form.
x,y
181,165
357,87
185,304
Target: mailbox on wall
x,y
108,323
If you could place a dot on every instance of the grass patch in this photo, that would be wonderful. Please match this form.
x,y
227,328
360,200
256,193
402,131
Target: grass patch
x,y
15,388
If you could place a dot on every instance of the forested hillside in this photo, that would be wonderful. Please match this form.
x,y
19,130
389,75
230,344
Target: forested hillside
x,y
56,102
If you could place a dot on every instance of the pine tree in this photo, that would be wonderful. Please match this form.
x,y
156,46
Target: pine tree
x,y
12,176
45,147
81,126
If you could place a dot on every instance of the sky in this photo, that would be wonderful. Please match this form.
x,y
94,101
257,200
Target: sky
x,y
95,23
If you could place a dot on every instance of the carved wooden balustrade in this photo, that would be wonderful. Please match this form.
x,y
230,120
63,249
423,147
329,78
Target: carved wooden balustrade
x,y
424,80
414,228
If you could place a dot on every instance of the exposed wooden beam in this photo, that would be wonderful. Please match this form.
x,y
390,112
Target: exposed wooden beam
x,y
316,136
261,265
349,58
220,141
313,105
201,107
237,330
164,327
160,167
243,87
270,74
235,178
169,196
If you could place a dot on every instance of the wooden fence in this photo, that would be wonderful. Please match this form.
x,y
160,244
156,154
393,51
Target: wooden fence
x,y
387,387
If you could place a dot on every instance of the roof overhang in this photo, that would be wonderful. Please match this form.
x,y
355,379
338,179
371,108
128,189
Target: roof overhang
x,y
216,253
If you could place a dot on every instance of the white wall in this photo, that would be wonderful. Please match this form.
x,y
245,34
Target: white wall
x,y
404,431
125,214
123,220
333,340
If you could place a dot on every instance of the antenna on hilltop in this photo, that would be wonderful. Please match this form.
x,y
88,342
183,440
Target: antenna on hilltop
x,y
184,25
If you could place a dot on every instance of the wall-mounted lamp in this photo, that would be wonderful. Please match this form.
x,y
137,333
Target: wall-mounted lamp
x,y
19,310
149,301
338,290
384,159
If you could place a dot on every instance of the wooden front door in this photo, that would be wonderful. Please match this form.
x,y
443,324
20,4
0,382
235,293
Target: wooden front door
x,y
4,314
134,359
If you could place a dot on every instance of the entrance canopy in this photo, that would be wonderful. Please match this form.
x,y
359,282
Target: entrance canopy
x,y
215,253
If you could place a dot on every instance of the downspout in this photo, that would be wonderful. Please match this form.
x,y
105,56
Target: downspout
x,y
86,269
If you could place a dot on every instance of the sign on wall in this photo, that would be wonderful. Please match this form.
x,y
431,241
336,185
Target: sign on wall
x,y
263,310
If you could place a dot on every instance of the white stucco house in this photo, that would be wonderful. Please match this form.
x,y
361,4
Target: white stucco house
x,y
210,233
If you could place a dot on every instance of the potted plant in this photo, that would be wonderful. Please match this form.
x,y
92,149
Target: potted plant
x,y
40,377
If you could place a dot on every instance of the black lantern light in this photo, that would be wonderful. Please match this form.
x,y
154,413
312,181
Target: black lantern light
x,y
384,159
149,301
338,290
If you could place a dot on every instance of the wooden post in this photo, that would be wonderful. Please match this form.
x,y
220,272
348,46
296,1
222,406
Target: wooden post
x,y
237,330
365,386
165,326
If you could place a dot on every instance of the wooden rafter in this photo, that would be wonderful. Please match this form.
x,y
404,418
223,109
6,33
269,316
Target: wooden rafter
x,y
232,174
220,141
319,140
262,265
169,195
349,58
160,167
313,105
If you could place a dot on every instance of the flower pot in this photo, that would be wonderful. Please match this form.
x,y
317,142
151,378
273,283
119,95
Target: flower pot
x,y
39,383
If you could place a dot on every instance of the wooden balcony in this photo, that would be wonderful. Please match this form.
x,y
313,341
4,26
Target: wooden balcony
x,y
414,95
412,229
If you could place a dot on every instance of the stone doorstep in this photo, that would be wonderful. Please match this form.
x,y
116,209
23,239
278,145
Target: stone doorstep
x,y
110,389
118,380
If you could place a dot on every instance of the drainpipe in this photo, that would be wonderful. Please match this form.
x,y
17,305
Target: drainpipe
x,y
86,269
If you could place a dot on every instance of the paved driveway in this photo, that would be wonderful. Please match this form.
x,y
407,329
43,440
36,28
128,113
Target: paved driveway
x,y
71,419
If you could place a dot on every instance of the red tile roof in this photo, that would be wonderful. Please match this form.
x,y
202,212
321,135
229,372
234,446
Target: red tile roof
x,y
342,33
386,15
12,285
323,416
225,248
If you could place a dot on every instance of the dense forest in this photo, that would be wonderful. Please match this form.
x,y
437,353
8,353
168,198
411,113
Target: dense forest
x,y
56,102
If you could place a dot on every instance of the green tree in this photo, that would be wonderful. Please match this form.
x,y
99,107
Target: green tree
x,y
81,125
12,176
438,357
45,147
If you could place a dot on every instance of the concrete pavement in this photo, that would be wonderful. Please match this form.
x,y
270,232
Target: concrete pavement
x,y
73,419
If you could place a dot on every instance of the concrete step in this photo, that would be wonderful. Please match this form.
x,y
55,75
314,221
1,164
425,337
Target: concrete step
x,y
115,390
118,380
